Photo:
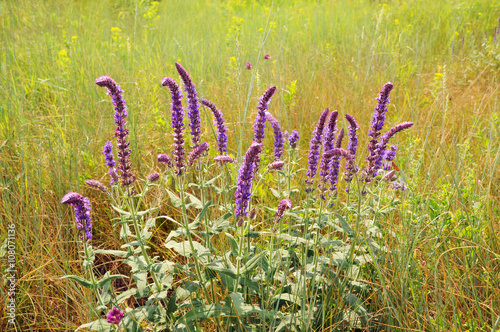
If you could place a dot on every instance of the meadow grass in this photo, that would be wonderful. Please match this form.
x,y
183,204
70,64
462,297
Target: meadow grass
x,y
441,57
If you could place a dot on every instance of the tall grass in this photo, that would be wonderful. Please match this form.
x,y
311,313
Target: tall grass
x,y
441,56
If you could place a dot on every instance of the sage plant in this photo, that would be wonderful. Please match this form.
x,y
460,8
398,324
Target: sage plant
x,y
314,149
193,110
116,93
220,125
177,115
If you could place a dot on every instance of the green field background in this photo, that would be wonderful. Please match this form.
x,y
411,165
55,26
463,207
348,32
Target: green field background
x,y
442,57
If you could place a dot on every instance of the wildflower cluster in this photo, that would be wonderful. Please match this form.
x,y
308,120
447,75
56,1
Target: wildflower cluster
x,y
233,284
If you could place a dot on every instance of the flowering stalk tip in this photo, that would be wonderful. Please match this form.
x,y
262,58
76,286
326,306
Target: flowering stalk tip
x,y
244,182
293,138
283,205
220,125
177,115
314,148
116,93
82,213
197,153
193,110
278,136
377,125
351,168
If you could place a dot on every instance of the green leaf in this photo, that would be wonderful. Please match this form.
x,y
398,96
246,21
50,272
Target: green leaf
x,y
97,325
201,215
136,263
357,306
243,309
117,253
195,202
249,266
126,295
84,282
204,312
107,278
184,248
141,280
176,201
218,267
345,226
121,212
233,243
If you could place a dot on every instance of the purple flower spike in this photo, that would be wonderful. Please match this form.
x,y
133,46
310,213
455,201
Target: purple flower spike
x,y
82,213
153,177
193,110
278,136
96,185
328,142
224,159
285,204
221,127
382,146
351,168
389,156
115,316
248,65
165,159
177,124
314,148
244,182
197,153
260,120
277,165
115,91
107,150
334,166
293,138
378,120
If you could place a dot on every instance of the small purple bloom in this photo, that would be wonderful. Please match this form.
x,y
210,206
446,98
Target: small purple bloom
x,y
390,176
165,159
260,121
334,166
221,127
224,159
278,136
378,120
248,65
116,93
351,168
314,149
177,114
283,205
328,144
382,145
267,57
82,213
197,153
153,177
398,186
107,150
193,110
389,156
293,138
115,316
244,182
96,185
277,165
